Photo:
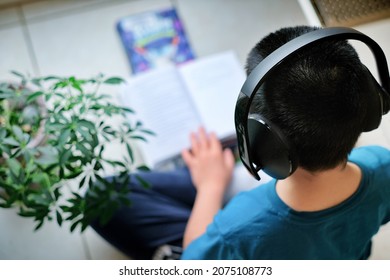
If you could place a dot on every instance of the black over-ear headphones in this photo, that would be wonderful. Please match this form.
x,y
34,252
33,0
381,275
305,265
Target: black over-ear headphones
x,y
261,144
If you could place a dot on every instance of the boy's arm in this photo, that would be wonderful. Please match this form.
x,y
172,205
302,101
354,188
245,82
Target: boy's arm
x,y
211,170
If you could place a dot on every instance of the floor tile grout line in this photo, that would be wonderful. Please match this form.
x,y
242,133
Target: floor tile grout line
x,y
86,248
79,10
9,25
76,10
28,41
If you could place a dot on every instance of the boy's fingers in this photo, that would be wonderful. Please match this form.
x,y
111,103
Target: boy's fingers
x,y
187,157
194,143
202,137
214,141
229,157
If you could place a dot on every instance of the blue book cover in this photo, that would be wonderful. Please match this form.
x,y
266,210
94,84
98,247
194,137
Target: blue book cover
x,y
154,38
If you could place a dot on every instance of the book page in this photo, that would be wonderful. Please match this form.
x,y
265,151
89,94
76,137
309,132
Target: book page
x,y
161,102
214,83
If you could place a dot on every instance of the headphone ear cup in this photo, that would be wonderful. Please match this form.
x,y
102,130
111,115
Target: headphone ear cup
x,y
269,149
376,104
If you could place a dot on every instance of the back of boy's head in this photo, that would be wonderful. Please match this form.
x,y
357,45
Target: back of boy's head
x,y
317,97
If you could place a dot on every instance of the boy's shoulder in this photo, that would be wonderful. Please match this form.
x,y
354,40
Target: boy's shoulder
x,y
371,156
246,207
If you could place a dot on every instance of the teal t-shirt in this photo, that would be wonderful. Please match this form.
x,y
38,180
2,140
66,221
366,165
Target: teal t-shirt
x,y
257,224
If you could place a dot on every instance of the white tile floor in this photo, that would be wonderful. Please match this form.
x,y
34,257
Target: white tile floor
x,y
79,38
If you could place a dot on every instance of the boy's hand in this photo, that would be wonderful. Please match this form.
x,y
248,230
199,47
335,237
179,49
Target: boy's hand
x,y
210,166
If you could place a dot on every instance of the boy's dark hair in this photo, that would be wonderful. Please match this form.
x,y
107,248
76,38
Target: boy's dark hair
x,y
317,98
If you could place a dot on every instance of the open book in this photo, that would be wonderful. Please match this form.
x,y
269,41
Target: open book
x,y
173,101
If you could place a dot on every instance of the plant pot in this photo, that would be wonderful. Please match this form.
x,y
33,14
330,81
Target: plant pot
x,y
29,116
39,137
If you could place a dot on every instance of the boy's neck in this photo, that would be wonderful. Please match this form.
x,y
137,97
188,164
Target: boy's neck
x,y
305,191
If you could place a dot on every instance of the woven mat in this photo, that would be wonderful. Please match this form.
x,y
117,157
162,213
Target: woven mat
x,y
351,12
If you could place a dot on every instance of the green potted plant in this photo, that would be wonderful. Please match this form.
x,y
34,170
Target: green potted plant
x,y
53,135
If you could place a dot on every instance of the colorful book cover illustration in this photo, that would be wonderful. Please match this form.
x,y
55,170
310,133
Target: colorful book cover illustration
x,y
154,38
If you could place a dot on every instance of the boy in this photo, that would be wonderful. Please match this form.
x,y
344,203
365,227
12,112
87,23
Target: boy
x,y
332,205
329,208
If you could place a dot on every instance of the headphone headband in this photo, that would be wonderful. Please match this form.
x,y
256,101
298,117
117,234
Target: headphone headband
x,y
270,63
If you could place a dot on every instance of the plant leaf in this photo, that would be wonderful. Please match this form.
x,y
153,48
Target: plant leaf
x,y
74,225
127,110
32,97
48,78
114,80
11,141
36,81
63,138
147,131
59,218
40,224
109,211
16,73
142,181
48,155
130,152
64,156
14,166
73,174
138,137
143,168
18,133
88,124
